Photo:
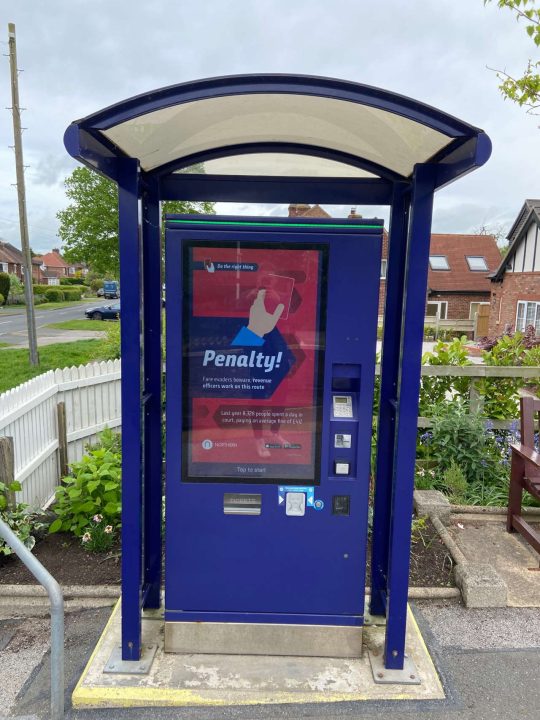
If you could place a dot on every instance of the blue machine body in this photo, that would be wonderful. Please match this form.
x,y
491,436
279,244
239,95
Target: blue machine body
x,y
233,551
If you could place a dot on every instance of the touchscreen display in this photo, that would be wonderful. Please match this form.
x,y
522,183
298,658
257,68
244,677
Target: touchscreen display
x,y
252,361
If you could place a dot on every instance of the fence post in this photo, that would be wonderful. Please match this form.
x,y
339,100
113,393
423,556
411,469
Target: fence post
x,y
62,438
476,400
7,468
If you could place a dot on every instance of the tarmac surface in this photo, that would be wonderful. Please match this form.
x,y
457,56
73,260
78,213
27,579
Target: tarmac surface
x,y
13,324
488,662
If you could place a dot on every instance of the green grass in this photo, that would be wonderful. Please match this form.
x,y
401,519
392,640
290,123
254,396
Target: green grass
x,y
16,369
64,304
79,325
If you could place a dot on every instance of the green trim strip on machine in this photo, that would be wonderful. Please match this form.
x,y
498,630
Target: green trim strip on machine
x,y
274,224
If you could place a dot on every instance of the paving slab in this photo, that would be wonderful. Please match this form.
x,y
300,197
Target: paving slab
x,y
227,681
512,558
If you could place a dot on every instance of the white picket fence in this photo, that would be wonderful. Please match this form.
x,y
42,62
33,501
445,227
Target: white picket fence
x,y
28,414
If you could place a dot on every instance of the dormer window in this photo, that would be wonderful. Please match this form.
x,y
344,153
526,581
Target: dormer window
x,y
477,263
438,262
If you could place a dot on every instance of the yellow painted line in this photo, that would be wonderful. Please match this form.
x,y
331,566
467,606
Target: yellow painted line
x,y
424,646
125,697
96,650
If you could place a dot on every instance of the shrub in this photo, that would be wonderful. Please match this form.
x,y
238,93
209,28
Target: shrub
x,y
5,282
110,346
70,281
1,299
72,294
54,294
15,287
40,289
23,522
501,398
93,488
434,390
39,299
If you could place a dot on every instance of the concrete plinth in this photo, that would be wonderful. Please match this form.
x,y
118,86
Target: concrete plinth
x,y
432,503
229,680
481,586
263,639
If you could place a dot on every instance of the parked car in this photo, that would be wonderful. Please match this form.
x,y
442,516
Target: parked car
x,y
104,312
100,292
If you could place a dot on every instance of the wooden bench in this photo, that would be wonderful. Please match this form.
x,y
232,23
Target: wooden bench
x,y
524,473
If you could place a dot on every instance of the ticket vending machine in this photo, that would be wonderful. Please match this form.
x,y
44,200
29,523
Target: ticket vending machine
x,y
271,344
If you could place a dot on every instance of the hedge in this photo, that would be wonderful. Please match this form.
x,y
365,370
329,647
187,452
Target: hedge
x,y
54,294
71,281
40,289
1,299
72,294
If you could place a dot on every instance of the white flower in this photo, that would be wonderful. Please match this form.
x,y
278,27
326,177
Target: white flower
x,y
97,518
108,529
86,537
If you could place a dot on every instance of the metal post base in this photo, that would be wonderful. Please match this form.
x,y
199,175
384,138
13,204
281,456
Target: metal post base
x,y
381,675
115,664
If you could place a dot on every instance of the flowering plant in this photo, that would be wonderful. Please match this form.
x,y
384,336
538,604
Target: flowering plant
x,y
97,536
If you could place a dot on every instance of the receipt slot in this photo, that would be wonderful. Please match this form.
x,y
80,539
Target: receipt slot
x,y
271,339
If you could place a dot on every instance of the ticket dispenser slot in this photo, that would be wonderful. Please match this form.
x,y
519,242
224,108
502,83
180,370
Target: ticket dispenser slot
x,y
344,420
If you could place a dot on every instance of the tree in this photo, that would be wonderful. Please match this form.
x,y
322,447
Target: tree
x,y
89,225
524,90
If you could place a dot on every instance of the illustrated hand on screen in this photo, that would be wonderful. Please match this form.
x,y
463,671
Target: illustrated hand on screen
x,y
261,321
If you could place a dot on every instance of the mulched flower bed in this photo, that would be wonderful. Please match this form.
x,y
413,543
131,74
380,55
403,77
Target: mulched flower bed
x,y
70,564
67,561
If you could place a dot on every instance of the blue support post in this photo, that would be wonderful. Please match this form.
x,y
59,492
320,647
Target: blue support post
x,y
412,333
153,490
132,475
397,245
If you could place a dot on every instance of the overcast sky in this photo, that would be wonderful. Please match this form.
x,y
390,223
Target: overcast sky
x,y
81,55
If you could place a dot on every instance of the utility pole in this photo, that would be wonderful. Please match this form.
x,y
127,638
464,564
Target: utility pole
x,y
21,194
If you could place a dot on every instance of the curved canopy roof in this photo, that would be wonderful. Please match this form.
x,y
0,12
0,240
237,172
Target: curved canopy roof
x,y
277,126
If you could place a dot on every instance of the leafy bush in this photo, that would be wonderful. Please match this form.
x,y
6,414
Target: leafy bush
x,y
54,294
39,299
16,287
435,390
501,398
459,438
1,299
40,289
93,488
110,346
72,294
5,282
23,522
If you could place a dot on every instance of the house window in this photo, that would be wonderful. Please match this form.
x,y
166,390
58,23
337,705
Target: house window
x,y
3,267
383,269
437,308
477,262
473,309
438,262
528,313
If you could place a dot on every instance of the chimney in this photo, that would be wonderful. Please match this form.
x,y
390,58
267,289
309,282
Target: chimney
x,y
56,250
353,215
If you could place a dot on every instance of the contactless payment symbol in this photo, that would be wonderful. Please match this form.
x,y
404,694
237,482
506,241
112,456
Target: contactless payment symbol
x,y
318,504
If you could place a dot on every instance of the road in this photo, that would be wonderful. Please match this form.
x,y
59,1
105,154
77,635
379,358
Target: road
x,y
13,327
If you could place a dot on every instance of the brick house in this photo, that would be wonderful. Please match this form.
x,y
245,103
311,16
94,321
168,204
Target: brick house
x,y
49,268
11,260
515,286
459,269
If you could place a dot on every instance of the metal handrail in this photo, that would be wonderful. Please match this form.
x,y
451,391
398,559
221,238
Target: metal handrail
x,y
56,597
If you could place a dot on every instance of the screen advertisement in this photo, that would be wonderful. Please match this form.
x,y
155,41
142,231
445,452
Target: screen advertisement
x,y
252,361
